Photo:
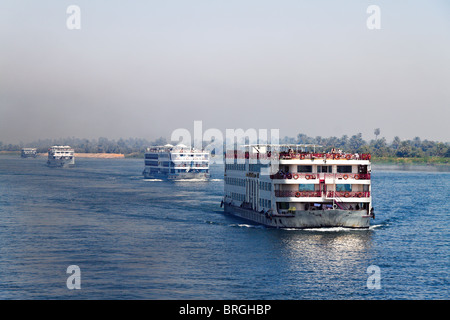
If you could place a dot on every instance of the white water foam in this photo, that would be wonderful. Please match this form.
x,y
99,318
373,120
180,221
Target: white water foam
x,y
335,229
243,225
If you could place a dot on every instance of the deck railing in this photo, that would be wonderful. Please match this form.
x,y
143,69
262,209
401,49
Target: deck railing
x,y
296,155
317,194
317,176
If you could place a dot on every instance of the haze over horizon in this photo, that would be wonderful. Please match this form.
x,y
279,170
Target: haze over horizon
x,y
144,69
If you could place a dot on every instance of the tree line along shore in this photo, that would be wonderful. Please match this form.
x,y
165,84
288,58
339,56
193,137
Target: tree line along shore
x,y
415,151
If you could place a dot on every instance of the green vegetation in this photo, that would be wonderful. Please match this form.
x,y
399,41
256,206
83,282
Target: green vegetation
x,y
132,147
415,151
399,151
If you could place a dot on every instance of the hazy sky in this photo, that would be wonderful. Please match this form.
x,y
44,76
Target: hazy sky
x,y
145,68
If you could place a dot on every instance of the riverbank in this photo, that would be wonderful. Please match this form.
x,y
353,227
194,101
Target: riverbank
x,y
77,155
100,155
412,161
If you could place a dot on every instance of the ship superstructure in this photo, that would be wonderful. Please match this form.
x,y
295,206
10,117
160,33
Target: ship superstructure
x,y
61,156
293,186
28,153
176,162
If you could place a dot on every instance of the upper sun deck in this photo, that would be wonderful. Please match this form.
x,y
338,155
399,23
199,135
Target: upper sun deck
x,y
60,149
293,153
323,156
168,148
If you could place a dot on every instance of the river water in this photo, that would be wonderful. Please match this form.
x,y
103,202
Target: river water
x,y
135,238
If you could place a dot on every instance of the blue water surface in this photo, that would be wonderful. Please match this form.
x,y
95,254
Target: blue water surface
x,y
136,238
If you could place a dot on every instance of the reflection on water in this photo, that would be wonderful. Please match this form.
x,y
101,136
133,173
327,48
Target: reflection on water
x,y
326,260
411,167
342,248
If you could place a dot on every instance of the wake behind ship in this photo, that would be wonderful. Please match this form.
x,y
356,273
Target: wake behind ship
x,y
284,186
60,156
175,163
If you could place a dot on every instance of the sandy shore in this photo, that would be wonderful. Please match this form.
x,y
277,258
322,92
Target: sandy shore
x,y
100,155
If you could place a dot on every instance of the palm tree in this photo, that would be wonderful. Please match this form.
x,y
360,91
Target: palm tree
x,y
377,133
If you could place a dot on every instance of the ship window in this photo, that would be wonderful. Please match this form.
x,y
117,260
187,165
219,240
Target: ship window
x,y
304,169
343,187
305,187
284,205
324,169
344,169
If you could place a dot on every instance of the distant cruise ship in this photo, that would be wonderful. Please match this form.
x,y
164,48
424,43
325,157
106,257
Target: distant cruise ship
x,y
176,162
29,153
60,156
308,190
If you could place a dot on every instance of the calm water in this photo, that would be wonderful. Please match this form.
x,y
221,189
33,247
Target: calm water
x,y
144,239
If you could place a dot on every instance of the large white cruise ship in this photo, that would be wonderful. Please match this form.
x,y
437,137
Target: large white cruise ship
x,y
176,162
292,186
60,156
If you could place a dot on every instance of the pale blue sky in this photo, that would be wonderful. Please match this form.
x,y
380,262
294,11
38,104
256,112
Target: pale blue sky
x,y
145,68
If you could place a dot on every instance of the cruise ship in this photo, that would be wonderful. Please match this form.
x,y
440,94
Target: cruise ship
x,y
60,156
29,153
175,163
293,186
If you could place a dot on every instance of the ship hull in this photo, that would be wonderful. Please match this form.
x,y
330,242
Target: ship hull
x,y
178,176
64,163
305,219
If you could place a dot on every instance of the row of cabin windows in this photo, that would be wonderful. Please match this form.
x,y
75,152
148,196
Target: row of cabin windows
x,y
267,186
286,205
240,167
257,167
339,187
159,170
324,169
265,203
173,164
235,182
237,196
